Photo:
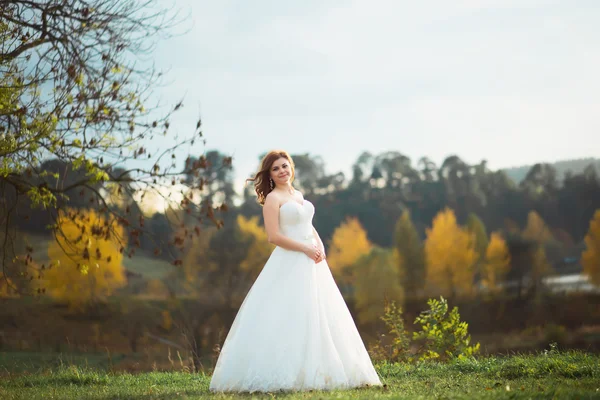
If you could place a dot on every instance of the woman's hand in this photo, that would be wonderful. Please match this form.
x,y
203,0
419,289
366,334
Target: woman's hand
x,y
320,246
313,252
322,257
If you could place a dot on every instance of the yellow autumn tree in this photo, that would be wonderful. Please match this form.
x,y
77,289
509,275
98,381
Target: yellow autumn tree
x,y
450,257
541,267
590,259
259,248
348,243
377,278
85,259
537,231
497,263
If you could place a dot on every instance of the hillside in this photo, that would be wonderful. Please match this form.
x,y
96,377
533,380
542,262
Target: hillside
x,y
562,167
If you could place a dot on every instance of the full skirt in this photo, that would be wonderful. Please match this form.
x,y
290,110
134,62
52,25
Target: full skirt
x,y
293,332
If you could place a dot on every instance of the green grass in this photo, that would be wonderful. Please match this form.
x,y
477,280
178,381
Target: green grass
x,y
149,267
27,362
569,375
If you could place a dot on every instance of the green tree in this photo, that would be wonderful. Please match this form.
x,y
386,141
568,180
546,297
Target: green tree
x,y
411,256
376,282
476,227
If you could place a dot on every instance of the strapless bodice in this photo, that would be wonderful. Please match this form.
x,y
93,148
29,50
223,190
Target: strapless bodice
x,y
295,219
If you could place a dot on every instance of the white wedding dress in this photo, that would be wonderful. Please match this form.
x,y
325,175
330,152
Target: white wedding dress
x,y
293,330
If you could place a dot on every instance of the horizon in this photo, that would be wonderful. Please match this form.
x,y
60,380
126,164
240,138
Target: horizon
x,y
158,205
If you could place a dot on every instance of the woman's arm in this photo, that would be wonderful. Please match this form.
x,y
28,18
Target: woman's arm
x,y
271,216
318,239
321,246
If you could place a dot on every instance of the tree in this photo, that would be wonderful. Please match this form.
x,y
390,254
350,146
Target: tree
x,y
395,169
536,229
590,259
497,263
411,258
348,243
476,227
362,168
428,169
73,90
259,249
456,177
522,260
213,266
215,174
85,259
578,200
540,268
450,256
16,272
309,172
190,278
540,180
537,232
376,282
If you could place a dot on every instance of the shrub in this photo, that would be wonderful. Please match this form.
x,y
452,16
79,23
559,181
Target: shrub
x,y
396,347
444,336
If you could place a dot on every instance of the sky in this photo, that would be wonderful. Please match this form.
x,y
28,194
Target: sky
x,y
513,82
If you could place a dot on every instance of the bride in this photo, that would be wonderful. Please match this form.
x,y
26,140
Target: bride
x,y
293,331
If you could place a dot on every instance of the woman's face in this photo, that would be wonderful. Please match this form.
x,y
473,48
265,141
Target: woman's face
x,y
281,171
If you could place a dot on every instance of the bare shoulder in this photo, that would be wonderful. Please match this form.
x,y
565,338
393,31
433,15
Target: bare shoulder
x,y
271,208
272,199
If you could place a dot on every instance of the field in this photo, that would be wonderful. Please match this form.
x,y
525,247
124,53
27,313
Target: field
x,y
124,350
546,375
149,267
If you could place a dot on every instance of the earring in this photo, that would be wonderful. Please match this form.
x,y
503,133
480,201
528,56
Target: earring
x,y
271,183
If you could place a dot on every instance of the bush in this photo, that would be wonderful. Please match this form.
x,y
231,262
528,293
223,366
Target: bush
x,y
444,336
397,346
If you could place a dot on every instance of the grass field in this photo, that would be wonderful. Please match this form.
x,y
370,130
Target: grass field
x,y
31,362
148,266
551,375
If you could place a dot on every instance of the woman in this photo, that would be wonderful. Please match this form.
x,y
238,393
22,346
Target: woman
x,y
293,331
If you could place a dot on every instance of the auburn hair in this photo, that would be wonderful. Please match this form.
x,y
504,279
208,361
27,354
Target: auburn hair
x,y
262,184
